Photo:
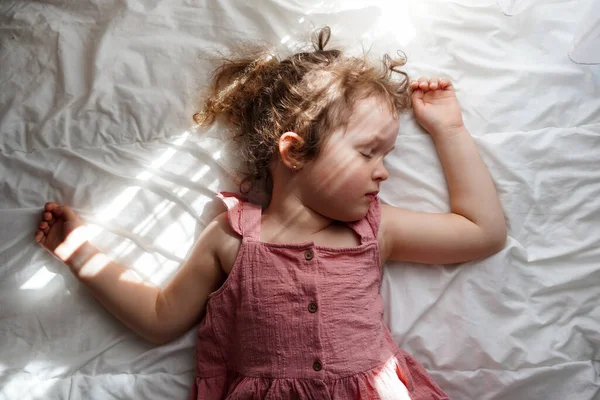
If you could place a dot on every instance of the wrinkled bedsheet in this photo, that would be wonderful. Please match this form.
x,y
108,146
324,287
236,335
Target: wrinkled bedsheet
x,y
95,112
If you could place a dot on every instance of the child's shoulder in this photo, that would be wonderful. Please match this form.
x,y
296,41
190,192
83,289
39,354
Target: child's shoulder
x,y
226,242
223,227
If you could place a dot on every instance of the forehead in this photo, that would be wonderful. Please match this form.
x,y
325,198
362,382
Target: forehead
x,y
372,120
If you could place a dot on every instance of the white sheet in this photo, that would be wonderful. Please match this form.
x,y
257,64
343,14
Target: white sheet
x,y
95,112
585,48
585,45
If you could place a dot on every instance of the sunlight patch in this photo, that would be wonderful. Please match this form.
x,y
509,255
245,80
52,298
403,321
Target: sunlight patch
x,y
214,186
395,22
145,265
27,386
120,202
201,203
128,194
125,247
178,236
388,384
39,280
94,265
157,213
72,242
200,173
165,271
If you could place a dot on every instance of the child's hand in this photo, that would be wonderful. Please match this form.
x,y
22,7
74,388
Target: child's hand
x,y
435,105
56,225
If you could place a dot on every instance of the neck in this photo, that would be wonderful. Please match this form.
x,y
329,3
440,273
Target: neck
x,y
286,210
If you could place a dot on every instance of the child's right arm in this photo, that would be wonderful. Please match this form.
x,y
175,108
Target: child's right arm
x,y
157,315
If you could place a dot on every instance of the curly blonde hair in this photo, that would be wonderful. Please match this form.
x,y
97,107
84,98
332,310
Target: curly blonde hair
x,y
260,97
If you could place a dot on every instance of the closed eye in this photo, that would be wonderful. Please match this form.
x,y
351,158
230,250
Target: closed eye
x,y
368,156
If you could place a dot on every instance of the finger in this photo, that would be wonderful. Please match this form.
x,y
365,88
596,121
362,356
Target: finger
x,y
44,227
433,83
58,211
417,93
417,97
445,83
414,85
423,84
49,217
50,206
38,236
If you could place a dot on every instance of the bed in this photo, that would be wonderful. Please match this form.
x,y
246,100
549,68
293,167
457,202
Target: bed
x,y
95,112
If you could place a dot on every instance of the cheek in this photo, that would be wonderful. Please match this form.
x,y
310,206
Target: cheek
x,y
340,178
341,169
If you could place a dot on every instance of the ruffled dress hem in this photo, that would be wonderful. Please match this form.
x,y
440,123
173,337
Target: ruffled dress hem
x,y
400,378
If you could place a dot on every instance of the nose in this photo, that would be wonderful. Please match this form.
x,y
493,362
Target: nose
x,y
380,173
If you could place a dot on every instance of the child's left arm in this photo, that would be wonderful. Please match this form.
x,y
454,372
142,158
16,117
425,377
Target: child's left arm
x,y
475,227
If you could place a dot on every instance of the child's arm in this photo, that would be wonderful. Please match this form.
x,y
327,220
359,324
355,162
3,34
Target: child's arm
x,y
157,315
475,227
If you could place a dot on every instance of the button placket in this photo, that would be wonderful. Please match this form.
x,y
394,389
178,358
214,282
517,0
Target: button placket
x,y
309,256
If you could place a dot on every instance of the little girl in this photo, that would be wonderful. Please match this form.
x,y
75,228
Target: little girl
x,y
289,294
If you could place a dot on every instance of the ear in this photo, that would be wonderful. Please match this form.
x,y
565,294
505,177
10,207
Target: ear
x,y
289,142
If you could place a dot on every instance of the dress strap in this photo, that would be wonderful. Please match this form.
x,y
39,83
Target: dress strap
x,y
368,227
244,217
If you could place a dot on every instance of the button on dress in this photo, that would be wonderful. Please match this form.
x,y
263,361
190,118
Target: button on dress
x,y
302,321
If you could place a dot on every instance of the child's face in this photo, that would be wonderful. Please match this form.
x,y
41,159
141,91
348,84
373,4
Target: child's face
x,y
351,163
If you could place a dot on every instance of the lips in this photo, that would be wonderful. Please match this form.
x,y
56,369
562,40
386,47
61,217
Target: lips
x,y
371,196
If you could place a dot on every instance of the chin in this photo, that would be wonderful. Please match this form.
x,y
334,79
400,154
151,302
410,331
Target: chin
x,y
353,215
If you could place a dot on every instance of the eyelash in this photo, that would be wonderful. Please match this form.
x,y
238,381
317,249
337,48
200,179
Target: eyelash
x,y
368,156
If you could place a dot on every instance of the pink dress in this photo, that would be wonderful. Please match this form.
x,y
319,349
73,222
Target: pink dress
x,y
301,321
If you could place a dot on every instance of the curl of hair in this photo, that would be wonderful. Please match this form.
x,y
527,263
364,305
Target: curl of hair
x,y
261,96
